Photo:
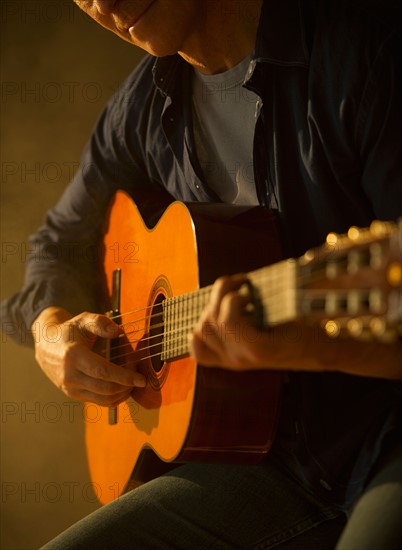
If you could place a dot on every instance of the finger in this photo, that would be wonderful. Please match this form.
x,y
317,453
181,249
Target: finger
x,y
92,325
220,288
99,368
206,343
233,307
204,352
216,341
215,332
80,381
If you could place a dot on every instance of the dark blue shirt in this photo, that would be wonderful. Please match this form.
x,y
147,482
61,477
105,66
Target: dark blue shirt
x,y
327,155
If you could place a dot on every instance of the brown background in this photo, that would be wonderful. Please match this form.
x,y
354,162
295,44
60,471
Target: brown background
x,y
58,70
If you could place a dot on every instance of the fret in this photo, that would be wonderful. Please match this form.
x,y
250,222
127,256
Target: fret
x,y
276,290
166,328
173,347
181,315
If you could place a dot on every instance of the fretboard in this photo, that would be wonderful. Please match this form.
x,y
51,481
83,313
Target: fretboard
x,y
275,293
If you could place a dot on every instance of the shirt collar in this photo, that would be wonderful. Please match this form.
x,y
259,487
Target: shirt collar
x,y
281,34
164,71
280,40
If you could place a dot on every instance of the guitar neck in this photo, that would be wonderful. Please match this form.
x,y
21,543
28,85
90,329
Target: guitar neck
x,y
351,285
275,293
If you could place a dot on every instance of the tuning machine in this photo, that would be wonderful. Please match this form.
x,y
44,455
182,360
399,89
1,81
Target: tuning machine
x,y
361,328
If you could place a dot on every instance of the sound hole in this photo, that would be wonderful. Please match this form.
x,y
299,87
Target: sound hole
x,y
156,330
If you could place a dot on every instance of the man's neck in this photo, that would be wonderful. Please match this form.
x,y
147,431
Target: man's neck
x,y
227,35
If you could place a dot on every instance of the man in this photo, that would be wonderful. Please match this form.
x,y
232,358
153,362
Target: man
x,y
308,92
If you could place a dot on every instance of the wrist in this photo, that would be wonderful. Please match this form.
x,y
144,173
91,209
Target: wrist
x,y
47,321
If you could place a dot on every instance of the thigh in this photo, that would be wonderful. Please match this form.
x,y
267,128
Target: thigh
x,y
208,506
376,521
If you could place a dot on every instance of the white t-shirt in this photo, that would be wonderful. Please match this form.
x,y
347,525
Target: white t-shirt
x,y
224,114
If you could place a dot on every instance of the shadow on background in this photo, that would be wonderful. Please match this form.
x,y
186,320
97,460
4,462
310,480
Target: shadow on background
x,y
58,68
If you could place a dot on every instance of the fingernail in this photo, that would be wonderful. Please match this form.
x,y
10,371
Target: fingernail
x,y
112,330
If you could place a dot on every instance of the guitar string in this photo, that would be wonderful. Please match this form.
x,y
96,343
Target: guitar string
x,y
189,295
186,296
178,342
266,295
265,274
132,352
121,355
181,332
175,345
154,326
159,354
271,278
303,295
201,293
164,334
192,318
170,302
197,309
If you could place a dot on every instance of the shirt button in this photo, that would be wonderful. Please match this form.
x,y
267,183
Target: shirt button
x,y
251,67
326,485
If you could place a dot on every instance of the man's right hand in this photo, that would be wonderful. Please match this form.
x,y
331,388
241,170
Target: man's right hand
x,y
63,349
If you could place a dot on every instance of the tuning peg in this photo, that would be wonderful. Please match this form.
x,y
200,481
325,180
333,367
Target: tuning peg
x,y
307,257
332,328
354,233
379,228
394,274
381,330
359,329
355,327
332,240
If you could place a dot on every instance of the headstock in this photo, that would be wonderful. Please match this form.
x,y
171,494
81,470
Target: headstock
x,y
353,284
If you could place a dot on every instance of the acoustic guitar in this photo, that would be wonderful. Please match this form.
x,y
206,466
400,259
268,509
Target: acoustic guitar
x,y
159,278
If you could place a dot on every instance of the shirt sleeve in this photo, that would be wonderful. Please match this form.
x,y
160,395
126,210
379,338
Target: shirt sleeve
x,y
64,268
379,130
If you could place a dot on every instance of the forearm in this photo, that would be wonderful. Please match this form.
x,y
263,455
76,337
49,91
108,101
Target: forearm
x,y
308,348
226,337
63,267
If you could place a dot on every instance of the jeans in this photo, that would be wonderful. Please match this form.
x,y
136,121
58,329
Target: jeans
x,y
227,507
205,506
376,520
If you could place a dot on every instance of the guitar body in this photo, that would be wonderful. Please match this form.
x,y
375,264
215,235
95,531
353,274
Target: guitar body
x,y
186,412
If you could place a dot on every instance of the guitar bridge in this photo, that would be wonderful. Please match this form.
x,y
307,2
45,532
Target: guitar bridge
x,y
115,313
